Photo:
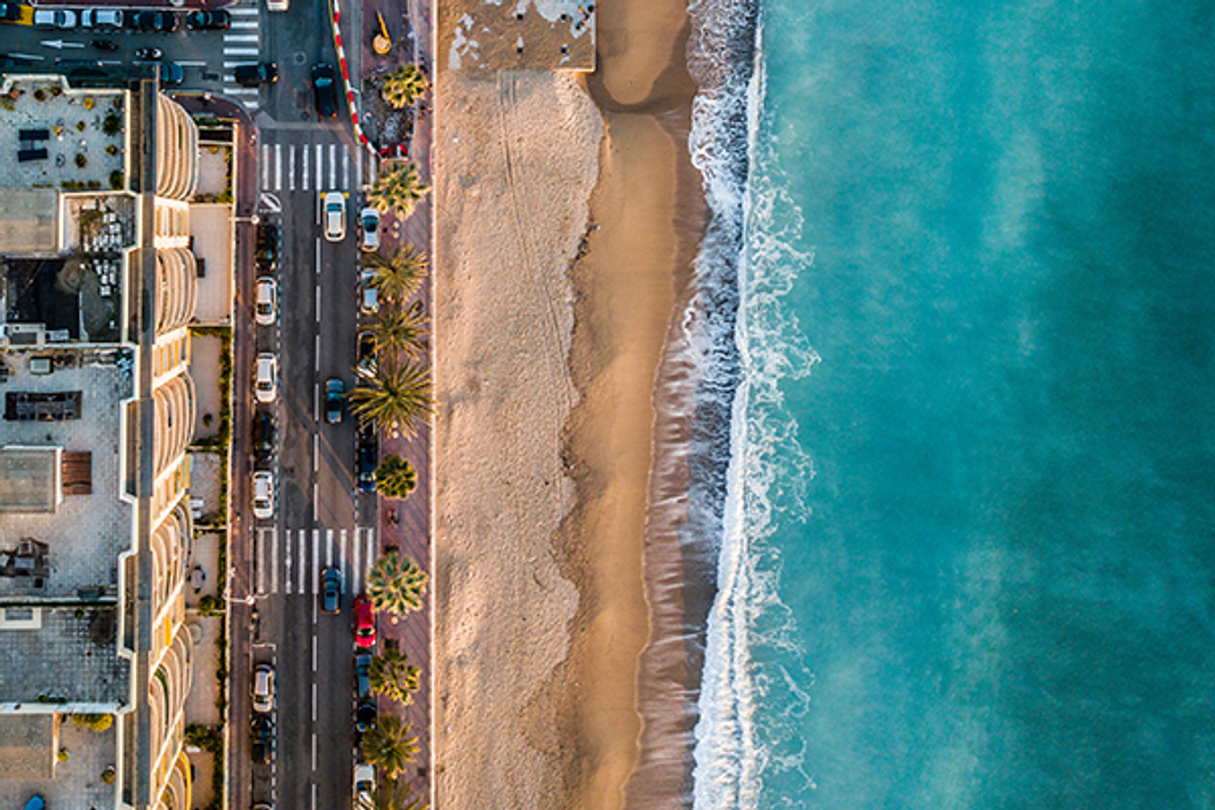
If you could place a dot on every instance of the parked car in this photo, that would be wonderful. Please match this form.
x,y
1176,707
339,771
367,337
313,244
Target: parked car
x,y
331,590
335,216
364,717
266,250
263,688
369,452
255,74
54,18
163,21
369,300
171,73
362,676
148,54
217,20
370,220
265,306
277,5
334,390
10,12
263,495
364,784
364,622
262,732
265,384
102,18
263,438
324,89
366,354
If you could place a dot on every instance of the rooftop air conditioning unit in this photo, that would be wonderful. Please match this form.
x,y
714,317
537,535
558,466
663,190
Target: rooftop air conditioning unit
x,y
26,334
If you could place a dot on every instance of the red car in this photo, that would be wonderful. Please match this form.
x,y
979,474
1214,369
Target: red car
x,y
364,622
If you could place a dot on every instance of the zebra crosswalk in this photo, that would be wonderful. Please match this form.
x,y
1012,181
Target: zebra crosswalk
x,y
309,167
291,562
242,45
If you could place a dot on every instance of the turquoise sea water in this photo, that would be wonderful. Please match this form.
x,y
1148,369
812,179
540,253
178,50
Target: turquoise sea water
x,y
968,558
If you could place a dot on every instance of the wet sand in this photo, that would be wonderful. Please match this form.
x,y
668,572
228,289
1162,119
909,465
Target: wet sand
x,y
546,370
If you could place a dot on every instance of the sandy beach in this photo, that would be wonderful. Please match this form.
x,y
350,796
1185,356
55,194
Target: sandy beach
x,y
567,213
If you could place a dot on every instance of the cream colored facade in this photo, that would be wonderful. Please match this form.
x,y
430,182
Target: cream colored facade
x,y
152,643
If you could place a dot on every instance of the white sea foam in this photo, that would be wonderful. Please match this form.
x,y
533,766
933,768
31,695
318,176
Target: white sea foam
x,y
759,223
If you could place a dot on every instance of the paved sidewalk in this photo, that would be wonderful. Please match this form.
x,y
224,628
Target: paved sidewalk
x,y
411,532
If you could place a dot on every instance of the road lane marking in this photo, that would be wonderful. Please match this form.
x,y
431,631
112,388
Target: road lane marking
x,y
191,63
243,24
316,451
318,252
349,587
274,561
358,170
316,401
328,548
264,151
345,168
314,653
287,562
333,164
316,554
278,167
320,171
317,366
242,11
241,51
260,557
303,558
291,167
355,577
316,507
304,168
318,303
314,699
370,547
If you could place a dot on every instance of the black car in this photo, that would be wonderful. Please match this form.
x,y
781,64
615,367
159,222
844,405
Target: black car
x,y
362,676
262,733
163,21
10,11
267,250
324,89
255,74
366,351
148,54
208,20
364,717
331,591
369,452
263,438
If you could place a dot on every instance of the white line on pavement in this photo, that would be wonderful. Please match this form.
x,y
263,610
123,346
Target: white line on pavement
x,y
356,574
317,365
287,562
240,37
316,507
318,303
316,451
278,167
370,546
301,565
333,164
328,548
191,63
318,255
274,560
313,653
316,402
242,24
314,699
291,167
342,559
242,11
345,168
316,552
261,561
320,170
264,151
304,169
241,51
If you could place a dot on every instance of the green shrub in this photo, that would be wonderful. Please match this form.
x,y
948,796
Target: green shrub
x,y
93,722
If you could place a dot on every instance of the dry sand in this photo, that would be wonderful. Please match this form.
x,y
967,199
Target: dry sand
x,y
543,437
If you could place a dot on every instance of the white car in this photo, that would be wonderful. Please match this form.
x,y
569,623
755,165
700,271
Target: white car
x,y
364,784
369,302
370,220
263,688
54,18
265,301
335,216
265,385
263,495
101,18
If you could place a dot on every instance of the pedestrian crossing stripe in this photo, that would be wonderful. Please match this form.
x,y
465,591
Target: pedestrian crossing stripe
x,y
310,167
290,563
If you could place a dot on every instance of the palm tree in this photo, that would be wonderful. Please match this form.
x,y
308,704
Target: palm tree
x,y
398,187
397,276
393,676
390,795
395,477
394,332
389,746
404,86
393,397
395,583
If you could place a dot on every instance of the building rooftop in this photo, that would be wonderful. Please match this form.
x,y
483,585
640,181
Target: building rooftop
x,y
90,525
61,655
29,479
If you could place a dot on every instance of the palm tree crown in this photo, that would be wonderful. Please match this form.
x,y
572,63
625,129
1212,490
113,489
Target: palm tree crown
x,y
395,477
404,86
390,794
389,745
397,276
393,676
394,332
393,397
396,584
397,187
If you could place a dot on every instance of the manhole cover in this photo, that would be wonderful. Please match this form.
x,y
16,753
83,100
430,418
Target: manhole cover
x,y
299,58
